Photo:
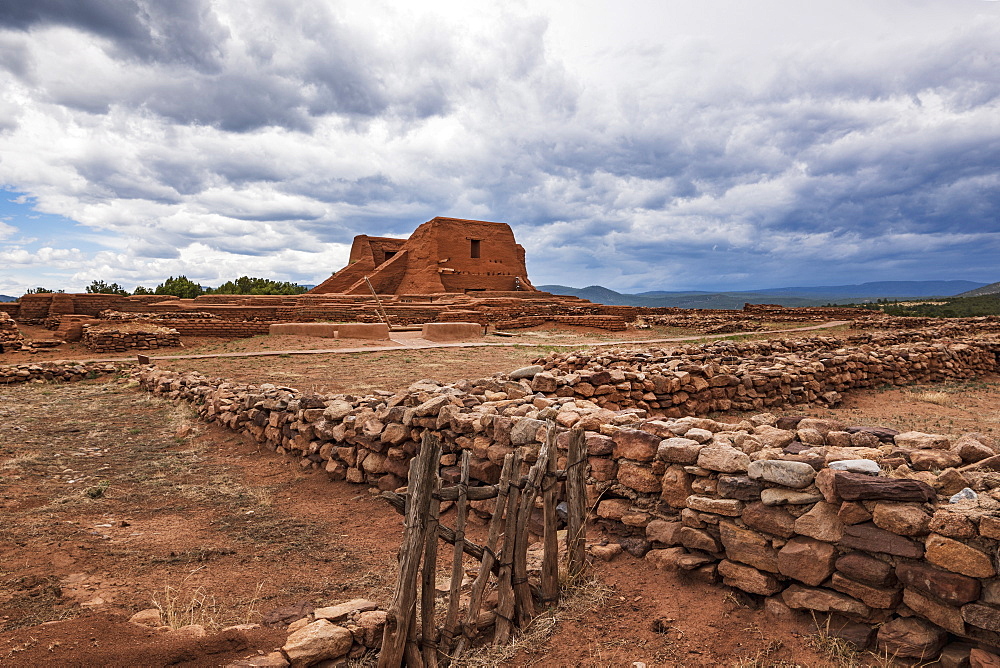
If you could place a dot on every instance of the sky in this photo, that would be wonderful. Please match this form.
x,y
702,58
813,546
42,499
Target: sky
x,y
640,145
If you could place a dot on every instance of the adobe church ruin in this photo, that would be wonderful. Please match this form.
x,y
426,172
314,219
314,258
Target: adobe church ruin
x,y
449,255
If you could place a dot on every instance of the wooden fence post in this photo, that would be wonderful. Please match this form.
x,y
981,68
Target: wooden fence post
x,y
550,556
576,503
400,615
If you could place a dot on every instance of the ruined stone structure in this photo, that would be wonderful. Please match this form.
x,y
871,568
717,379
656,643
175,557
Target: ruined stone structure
x,y
442,255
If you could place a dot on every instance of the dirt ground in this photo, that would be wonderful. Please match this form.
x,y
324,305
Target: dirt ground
x,y
113,501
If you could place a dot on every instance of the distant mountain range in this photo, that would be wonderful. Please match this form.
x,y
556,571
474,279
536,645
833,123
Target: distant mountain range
x,y
794,296
991,289
7,298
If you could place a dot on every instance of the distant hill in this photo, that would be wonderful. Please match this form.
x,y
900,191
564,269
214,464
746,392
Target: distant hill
x,y
792,296
7,298
991,289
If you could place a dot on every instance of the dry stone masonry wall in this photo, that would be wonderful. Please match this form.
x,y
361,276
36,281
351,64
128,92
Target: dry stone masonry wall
x,y
105,339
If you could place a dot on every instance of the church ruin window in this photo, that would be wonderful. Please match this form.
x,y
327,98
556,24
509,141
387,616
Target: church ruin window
x,y
475,248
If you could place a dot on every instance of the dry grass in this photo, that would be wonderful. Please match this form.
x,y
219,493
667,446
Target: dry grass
x,y
575,600
939,398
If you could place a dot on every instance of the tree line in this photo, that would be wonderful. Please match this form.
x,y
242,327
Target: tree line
x,y
185,288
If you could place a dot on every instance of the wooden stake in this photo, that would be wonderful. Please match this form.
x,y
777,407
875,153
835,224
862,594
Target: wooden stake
x,y
525,605
400,615
505,585
576,503
428,585
511,463
457,572
550,557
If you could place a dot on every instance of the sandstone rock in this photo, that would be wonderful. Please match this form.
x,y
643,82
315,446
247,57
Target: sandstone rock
x,y
372,626
772,437
699,539
972,448
747,578
866,569
866,466
779,496
919,440
599,445
950,482
807,560
639,478
607,552
934,460
789,474
821,522
952,524
798,597
706,504
344,611
613,509
748,547
904,519
870,538
665,559
675,486
337,410
954,655
769,519
526,372
317,642
950,587
980,658
525,430
662,531
723,458
679,450
984,616
874,597
989,527
698,435
635,444
853,512
911,637
191,631
945,616
739,487
958,557
856,487
693,561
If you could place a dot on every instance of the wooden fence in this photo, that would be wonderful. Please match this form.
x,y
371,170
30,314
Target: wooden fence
x,y
430,639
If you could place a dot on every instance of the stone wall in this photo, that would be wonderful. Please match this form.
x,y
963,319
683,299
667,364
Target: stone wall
x,y
749,376
58,371
103,339
10,336
806,514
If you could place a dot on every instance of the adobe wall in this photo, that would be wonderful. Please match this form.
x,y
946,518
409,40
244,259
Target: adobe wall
x,y
104,340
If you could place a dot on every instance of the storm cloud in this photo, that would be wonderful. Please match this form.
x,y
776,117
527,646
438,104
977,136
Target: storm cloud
x,y
637,145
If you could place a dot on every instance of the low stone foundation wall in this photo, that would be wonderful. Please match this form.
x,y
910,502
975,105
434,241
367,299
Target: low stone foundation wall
x,y
103,340
234,329
10,336
58,371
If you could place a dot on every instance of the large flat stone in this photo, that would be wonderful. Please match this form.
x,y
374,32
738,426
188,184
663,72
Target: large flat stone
x,y
807,560
748,547
953,588
874,597
821,522
749,579
945,616
904,519
798,597
635,444
911,637
780,472
769,519
870,538
707,504
984,616
317,642
858,486
867,569
957,557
